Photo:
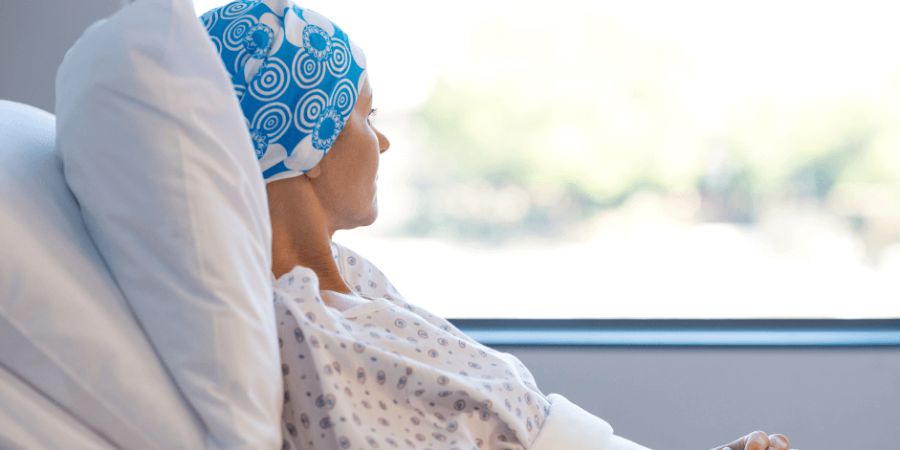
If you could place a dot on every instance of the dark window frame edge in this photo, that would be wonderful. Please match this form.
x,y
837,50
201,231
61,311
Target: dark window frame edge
x,y
684,333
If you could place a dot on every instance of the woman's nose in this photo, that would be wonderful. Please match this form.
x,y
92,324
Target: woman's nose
x,y
383,142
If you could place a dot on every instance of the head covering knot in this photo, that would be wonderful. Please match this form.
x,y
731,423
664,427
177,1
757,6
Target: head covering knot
x,y
296,75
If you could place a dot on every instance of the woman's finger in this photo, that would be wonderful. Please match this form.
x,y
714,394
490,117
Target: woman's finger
x,y
757,440
779,442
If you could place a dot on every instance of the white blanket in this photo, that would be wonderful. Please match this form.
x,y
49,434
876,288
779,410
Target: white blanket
x,y
570,427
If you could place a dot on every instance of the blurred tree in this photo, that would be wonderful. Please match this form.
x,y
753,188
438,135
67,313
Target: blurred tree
x,y
542,125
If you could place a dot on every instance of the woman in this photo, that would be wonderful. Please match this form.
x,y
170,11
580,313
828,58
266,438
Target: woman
x,y
362,367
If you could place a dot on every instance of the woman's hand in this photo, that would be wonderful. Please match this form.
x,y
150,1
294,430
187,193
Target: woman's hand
x,y
758,440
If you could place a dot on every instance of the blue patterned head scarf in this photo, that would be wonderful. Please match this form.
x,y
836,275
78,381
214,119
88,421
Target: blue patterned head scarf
x,y
296,76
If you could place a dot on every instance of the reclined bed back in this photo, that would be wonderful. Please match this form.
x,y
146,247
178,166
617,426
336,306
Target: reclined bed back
x,y
65,329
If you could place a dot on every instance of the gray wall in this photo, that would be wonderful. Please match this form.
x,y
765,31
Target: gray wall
x,y
689,399
34,36
676,399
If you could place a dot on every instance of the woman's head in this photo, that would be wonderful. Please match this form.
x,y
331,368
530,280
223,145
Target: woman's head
x,y
303,88
344,182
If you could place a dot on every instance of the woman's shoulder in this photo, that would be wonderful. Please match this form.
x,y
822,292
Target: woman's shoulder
x,y
369,281
363,276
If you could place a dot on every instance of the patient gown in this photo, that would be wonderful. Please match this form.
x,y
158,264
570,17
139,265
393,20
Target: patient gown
x,y
372,371
382,373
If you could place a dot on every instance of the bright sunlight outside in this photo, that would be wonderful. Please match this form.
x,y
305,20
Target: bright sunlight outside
x,y
644,159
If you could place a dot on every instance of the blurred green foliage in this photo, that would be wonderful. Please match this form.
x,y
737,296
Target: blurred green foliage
x,y
542,126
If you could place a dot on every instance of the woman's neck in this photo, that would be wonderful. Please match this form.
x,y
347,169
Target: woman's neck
x,y
302,236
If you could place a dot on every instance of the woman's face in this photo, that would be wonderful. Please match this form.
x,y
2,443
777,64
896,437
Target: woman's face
x,y
346,182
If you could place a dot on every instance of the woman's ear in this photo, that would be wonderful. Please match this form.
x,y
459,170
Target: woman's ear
x,y
314,172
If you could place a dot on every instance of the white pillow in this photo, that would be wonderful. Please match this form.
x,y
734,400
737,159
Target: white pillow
x,y
156,151
65,329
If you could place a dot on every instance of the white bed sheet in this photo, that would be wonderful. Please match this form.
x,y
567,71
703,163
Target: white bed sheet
x,y
64,326
32,421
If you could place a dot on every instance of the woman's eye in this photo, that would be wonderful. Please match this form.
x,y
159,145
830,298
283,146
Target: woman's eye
x,y
372,114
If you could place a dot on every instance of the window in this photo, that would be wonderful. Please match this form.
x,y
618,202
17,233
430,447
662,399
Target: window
x,y
646,159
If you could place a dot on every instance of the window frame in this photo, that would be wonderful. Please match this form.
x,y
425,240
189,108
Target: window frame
x,y
730,333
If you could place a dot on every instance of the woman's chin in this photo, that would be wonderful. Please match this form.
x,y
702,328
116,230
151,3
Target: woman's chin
x,y
373,215
370,217
362,215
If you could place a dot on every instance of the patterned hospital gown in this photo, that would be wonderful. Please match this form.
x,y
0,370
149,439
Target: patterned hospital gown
x,y
375,372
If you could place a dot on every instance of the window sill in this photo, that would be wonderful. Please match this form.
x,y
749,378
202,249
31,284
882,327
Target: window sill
x,y
684,333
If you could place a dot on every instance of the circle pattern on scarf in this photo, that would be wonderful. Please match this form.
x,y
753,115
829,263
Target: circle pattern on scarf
x,y
296,76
